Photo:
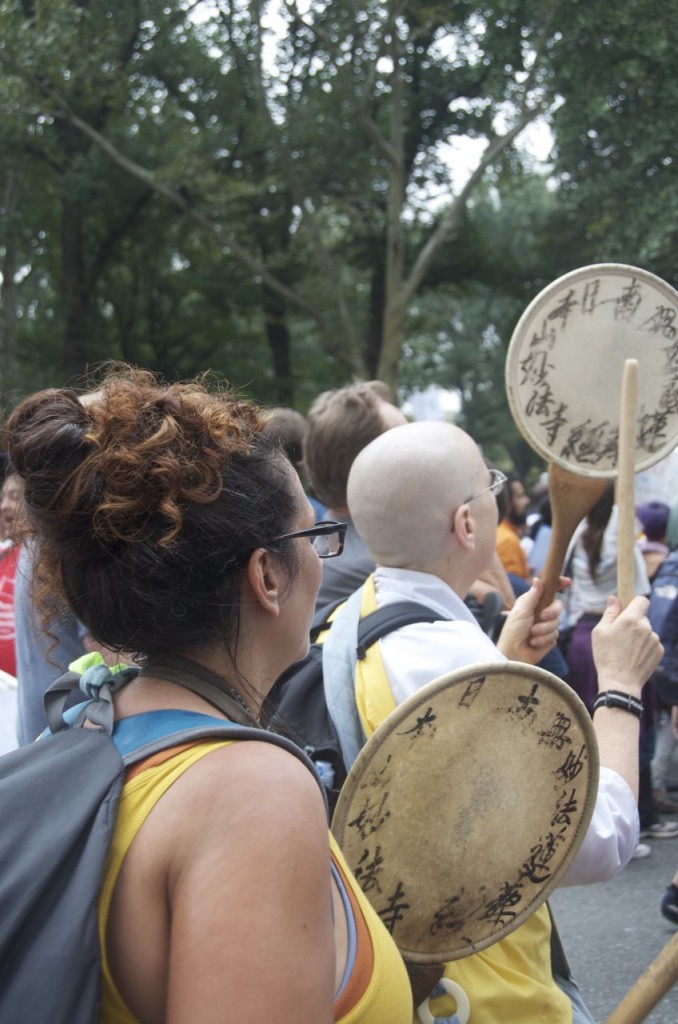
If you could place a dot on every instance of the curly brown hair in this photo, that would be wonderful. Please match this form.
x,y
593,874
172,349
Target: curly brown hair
x,y
146,499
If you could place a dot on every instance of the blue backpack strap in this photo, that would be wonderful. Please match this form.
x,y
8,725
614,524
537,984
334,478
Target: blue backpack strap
x,y
141,736
137,736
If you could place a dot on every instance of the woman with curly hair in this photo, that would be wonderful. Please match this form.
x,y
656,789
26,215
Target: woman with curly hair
x,y
177,529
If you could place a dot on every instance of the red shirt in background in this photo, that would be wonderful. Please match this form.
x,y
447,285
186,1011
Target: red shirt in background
x,y
8,561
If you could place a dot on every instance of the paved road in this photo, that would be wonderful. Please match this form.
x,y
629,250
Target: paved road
x,y
612,932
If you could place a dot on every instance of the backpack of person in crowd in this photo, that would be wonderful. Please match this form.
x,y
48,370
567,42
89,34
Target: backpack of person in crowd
x,y
58,805
297,705
663,615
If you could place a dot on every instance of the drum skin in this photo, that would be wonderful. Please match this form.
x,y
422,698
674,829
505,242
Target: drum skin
x,y
566,359
467,805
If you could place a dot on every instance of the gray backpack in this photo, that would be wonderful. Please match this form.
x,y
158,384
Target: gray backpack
x,y
58,805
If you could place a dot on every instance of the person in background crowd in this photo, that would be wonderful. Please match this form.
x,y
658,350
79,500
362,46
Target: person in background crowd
x,y
45,647
340,424
540,535
10,517
665,591
6,519
654,518
513,504
592,565
665,595
672,528
669,901
290,428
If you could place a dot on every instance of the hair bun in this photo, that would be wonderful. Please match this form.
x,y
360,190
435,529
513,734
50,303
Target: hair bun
x,y
46,440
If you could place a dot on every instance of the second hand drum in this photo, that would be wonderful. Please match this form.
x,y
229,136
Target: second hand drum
x,y
564,372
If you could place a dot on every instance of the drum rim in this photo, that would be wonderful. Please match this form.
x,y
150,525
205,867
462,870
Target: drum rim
x,y
521,330
576,834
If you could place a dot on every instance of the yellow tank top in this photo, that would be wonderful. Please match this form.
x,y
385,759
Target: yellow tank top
x,y
377,990
510,982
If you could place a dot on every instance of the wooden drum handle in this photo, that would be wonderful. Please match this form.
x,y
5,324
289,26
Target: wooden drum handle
x,y
626,463
572,497
652,985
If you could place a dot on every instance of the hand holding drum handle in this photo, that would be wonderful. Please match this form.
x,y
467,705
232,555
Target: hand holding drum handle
x,y
626,460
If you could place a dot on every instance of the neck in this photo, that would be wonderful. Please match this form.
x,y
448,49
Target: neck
x,y
176,681
204,682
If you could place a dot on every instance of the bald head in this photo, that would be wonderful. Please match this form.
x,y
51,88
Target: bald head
x,y
405,487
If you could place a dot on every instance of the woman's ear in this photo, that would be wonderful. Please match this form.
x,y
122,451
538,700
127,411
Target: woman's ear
x,y
266,579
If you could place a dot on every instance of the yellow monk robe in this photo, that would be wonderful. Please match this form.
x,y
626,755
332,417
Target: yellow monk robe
x,y
510,982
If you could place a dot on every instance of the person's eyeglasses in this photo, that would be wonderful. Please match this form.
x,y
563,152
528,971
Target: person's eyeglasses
x,y
327,538
497,482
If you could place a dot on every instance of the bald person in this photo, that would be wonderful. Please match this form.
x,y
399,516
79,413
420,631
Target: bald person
x,y
423,501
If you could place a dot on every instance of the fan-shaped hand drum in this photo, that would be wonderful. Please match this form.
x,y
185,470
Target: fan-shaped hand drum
x,y
564,371
467,805
566,359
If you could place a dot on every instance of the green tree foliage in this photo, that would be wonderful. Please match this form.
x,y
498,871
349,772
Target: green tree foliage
x,y
616,142
266,187
308,170
459,335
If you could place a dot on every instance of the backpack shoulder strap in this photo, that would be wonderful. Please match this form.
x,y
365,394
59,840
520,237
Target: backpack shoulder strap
x,y
348,642
142,736
322,619
389,618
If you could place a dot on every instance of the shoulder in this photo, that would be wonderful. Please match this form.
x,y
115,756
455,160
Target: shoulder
x,y
416,654
458,640
254,792
240,770
668,567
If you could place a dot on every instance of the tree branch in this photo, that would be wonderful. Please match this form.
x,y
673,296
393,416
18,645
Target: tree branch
x,y
370,126
453,213
173,196
349,344
107,247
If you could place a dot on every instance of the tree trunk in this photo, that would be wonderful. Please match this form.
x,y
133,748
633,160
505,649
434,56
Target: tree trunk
x,y
277,332
75,294
375,321
393,331
8,289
